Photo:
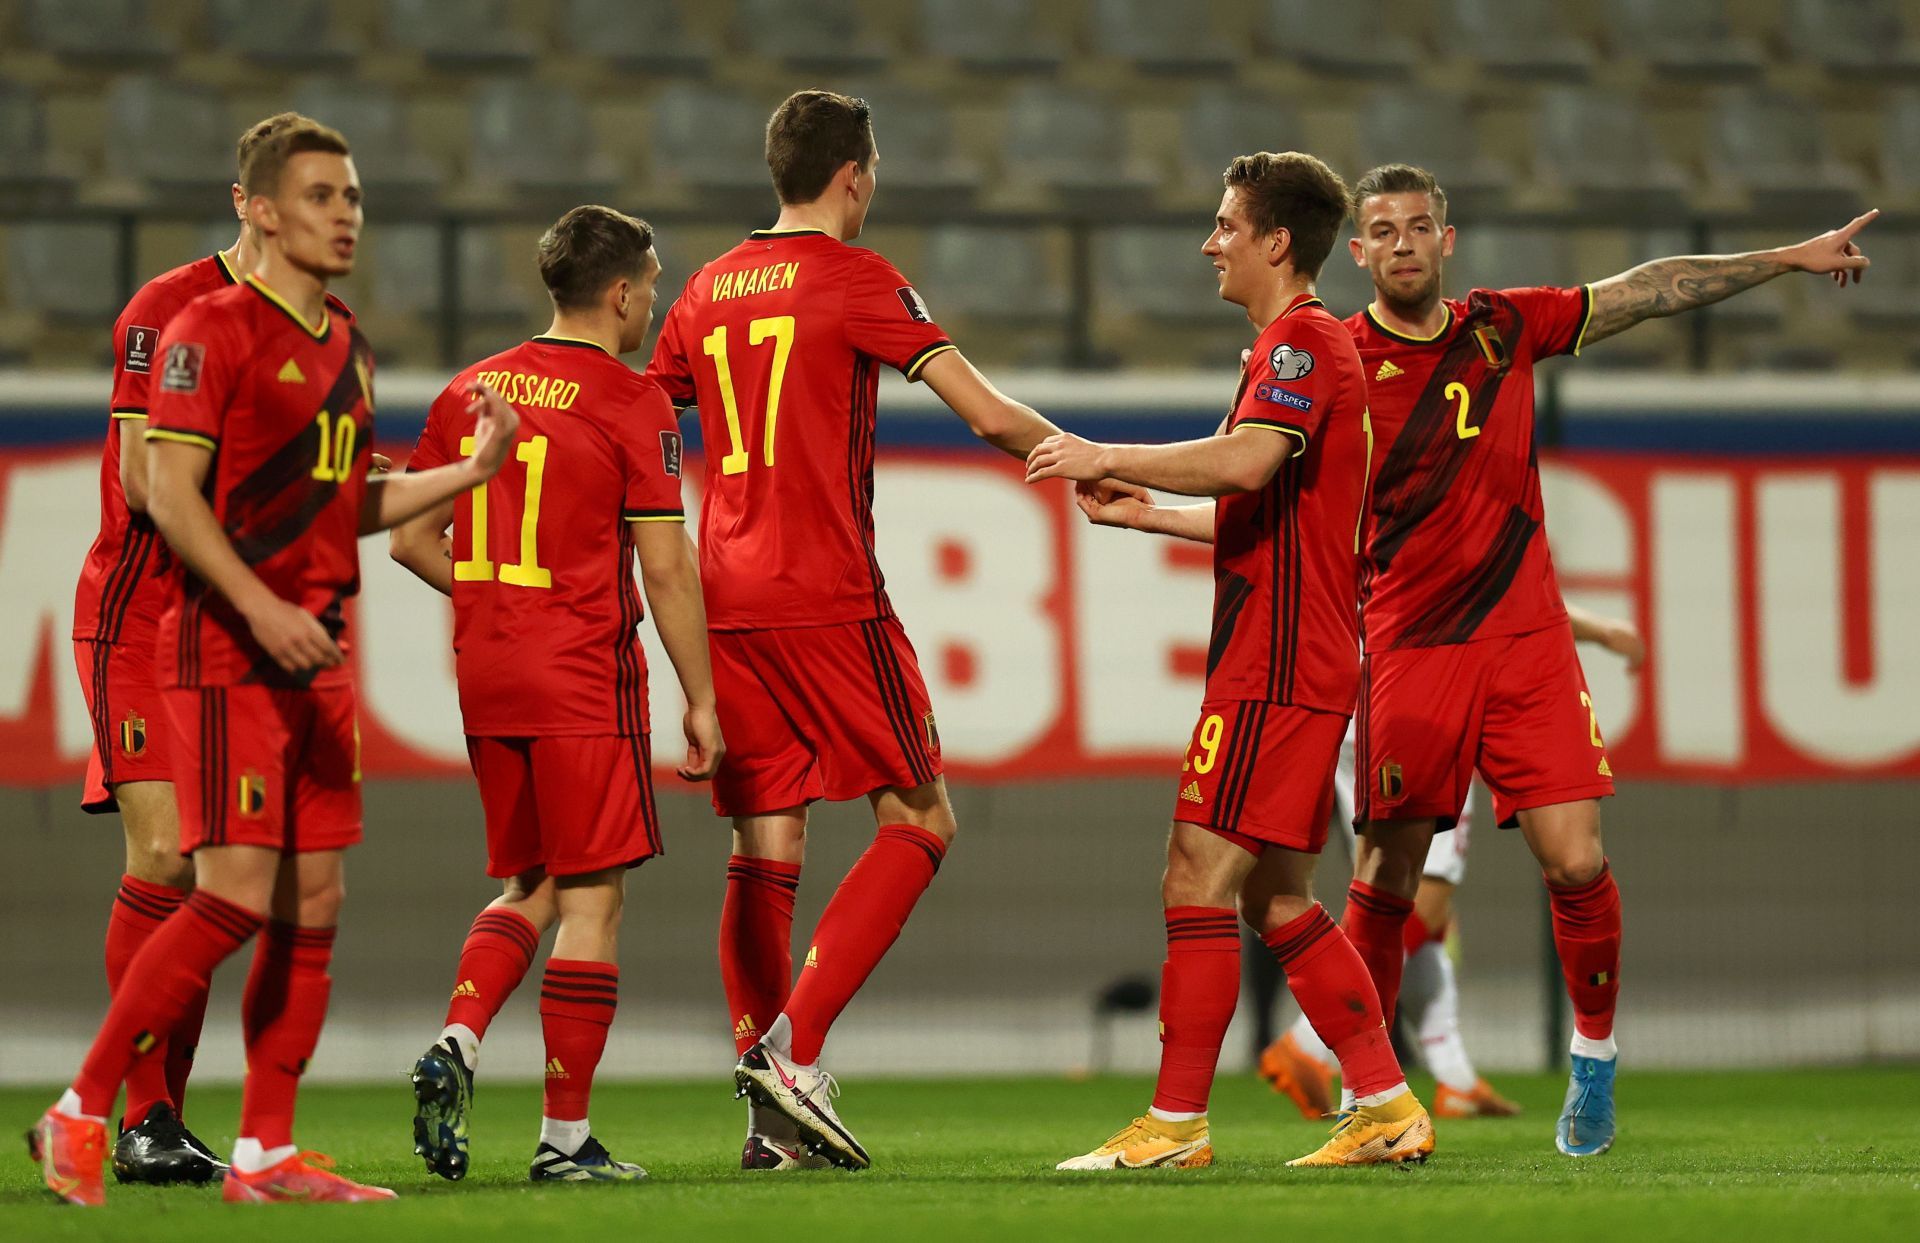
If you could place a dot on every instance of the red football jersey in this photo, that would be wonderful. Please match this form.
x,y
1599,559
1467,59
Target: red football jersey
x,y
545,609
778,342
287,410
1456,545
1286,564
120,590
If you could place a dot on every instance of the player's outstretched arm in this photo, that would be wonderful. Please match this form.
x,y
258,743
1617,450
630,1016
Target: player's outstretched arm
x,y
1685,282
293,637
1617,635
670,572
1242,461
999,420
393,499
420,544
1107,504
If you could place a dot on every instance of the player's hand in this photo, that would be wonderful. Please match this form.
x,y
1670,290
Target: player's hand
x,y
294,637
382,464
1110,503
495,422
1623,639
1834,252
704,744
1064,455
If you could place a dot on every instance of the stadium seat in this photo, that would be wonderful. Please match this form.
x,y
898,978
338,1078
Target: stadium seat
x,y
1354,37
64,270
1692,40
1900,141
827,36
1156,273
1852,38
1159,38
988,36
175,139
1435,131
1772,146
914,131
105,31
531,136
1222,122
1071,142
1886,297
31,175
1002,274
459,34
1491,256
374,120
408,273
1519,38
288,33
1344,286
646,36
710,140
1599,144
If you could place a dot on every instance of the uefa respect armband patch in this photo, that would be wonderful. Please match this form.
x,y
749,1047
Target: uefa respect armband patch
x,y
1274,394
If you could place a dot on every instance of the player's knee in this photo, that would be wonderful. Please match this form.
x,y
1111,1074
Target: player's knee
x,y
159,864
320,903
1574,868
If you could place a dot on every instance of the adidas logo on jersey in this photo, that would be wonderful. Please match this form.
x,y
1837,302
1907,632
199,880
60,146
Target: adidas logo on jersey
x,y
290,373
556,1071
466,988
1387,370
745,1028
1192,793
813,957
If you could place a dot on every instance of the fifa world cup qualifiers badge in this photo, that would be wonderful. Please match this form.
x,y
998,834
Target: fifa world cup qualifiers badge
x,y
181,371
671,447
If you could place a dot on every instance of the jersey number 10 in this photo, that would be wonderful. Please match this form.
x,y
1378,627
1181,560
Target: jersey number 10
x,y
778,329
526,572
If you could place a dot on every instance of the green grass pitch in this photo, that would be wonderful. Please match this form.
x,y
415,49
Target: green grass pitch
x,y
1806,1156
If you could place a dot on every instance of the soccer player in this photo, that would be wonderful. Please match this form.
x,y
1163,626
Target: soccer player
x,y
1470,660
257,433
116,614
553,682
779,341
1289,467
1302,1068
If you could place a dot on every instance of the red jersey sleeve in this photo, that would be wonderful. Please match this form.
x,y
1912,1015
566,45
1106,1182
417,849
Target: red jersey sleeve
x,y
1556,318
1288,389
670,368
201,359
886,319
431,449
136,344
653,461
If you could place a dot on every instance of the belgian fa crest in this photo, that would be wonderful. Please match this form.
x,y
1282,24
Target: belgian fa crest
x,y
252,794
1391,783
133,736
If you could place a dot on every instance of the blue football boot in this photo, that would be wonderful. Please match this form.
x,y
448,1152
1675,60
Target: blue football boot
x,y
1585,1128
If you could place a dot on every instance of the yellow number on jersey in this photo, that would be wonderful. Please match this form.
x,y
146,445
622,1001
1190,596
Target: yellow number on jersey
x,y
780,329
1457,391
527,572
338,439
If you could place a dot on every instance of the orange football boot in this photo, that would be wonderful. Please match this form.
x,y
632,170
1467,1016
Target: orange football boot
x,y
305,1176
71,1152
1481,1102
1299,1076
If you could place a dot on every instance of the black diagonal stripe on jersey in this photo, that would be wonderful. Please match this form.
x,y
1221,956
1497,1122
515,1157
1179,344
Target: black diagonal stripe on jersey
x,y
1234,592
1455,618
1428,454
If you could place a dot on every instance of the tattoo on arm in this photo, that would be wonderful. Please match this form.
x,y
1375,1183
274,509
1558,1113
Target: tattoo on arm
x,y
1670,286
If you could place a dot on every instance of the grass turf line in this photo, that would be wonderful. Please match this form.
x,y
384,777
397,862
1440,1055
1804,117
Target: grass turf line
x,y
1801,1155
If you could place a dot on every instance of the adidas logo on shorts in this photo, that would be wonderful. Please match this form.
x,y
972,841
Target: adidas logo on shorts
x,y
1192,793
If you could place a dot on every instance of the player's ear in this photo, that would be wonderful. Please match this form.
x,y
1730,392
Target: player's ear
x,y
1359,255
621,295
1446,242
1279,246
239,202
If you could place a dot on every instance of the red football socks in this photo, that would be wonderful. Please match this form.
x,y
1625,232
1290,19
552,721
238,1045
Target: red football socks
x,y
756,943
139,908
1199,986
165,979
858,927
1416,934
281,1013
577,1001
1330,982
498,950
1586,932
1374,923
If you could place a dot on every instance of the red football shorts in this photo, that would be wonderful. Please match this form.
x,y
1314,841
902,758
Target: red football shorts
x,y
815,712
261,766
1515,707
1261,774
131,737
568,804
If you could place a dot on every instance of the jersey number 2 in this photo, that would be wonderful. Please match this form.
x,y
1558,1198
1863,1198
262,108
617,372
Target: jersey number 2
x,y
526,572
778,329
